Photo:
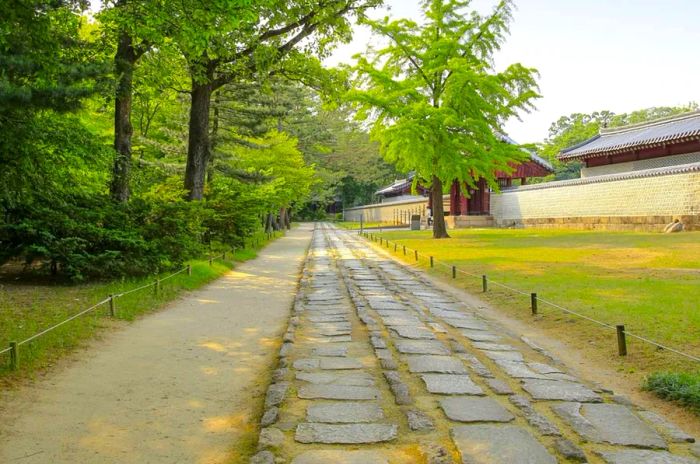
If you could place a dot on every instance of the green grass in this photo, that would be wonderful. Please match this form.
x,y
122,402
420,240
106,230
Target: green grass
x,y
683,388
650,282
28,307
350,225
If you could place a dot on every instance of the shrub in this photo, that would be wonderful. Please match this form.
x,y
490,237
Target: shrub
x,y
683,388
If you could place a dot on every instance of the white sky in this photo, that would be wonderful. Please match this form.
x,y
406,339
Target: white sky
x,y
618,55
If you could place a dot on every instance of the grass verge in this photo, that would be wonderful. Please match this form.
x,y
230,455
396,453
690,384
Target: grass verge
x,y
649,282
27,307
682,388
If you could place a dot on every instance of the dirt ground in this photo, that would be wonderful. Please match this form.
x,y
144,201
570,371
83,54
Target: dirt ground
x,y
179,386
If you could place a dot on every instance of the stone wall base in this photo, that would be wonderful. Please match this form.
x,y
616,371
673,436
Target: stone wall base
x,y
628,223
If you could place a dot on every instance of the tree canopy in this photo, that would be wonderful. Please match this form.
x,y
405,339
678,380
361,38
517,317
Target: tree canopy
x,y
436,101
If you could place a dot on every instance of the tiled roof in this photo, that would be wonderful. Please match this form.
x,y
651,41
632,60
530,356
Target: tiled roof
x,y
683,128
655,172
533,156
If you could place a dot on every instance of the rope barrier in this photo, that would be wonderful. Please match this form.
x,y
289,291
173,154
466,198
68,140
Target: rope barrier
x,y
564,309
106,300
62,322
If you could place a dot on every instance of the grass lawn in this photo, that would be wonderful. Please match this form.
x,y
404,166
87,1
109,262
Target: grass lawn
x,y
649,282
28,306
350,225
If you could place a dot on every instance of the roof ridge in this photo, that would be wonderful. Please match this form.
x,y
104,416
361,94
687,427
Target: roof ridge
x,y
652,123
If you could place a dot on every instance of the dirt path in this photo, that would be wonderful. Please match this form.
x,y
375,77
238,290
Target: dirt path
x,y
174,387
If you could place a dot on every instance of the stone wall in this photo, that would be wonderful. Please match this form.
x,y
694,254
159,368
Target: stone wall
x,y
640,200
388,213
644,200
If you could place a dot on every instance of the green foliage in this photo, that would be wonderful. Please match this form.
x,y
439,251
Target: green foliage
x,y
44,63
89,236
683,388
436,100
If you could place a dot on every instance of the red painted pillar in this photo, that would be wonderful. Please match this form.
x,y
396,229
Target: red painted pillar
x,y
454,199
463,203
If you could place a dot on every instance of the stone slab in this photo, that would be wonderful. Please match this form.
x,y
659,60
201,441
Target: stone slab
x,y
360,379
480,336
519,370
510,356
415,333
276,393
499,387
471,324
499,444
339,363
344,412
345,433
451,384
674,434
340,457
421,347
559,390
335,339
609,423
645,457
331,350
492,346
337,392
434,363
475,409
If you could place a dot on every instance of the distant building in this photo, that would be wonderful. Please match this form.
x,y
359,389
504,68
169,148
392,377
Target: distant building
x,y
638,177
664,143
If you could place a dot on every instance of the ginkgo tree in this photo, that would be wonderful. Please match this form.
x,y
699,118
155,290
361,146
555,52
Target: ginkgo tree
x,y
435,99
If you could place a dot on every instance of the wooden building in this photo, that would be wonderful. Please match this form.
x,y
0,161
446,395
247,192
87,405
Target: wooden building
x,y
667,142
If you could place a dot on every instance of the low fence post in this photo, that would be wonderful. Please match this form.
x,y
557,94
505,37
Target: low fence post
x,y
431,262
395,247
14,356
224,256
112,306
533,303
156,287
416,253
210,261
454,272
189,269
485,283
404,250
621,341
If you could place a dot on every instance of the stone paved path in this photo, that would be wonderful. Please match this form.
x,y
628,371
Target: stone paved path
x,y
378,366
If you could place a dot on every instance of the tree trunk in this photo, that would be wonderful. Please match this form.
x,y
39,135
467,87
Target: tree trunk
x,y
124,61
439,229
198,139
268,223
214,136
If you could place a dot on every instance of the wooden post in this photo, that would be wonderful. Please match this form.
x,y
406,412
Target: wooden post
x,y
484,283
416,253
395,247
454,272
431,262
224,257
210,261
14,356
404,250
533,303
156,287
189,269
112,308
621,341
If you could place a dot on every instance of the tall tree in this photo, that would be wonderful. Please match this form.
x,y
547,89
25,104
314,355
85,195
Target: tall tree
x,y
244,40
437,102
